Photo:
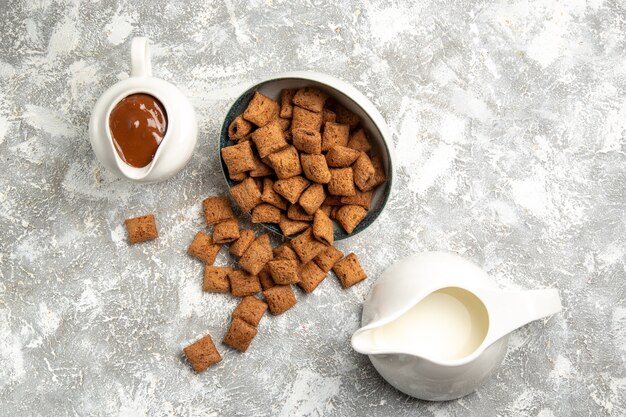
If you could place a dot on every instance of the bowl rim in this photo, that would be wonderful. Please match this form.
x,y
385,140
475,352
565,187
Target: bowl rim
x,y
352,94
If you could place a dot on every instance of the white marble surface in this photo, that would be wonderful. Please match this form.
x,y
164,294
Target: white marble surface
x,y
509,121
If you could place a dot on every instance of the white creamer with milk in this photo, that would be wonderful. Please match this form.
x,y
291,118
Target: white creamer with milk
x,y
435,325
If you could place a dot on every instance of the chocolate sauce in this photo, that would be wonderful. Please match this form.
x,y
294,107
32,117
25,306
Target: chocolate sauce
x,y
138,124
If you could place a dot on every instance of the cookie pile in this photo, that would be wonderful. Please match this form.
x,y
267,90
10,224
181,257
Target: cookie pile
x,y
304,261
301,162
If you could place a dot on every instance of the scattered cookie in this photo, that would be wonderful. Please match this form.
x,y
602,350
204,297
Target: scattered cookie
x,y
203,248
202,354
266,279
250,310
217,209
349,271
257,255
141,229
306,246
216,279
242,283
284,271
239,246
310,277
226,231
239,335
328,258
280,298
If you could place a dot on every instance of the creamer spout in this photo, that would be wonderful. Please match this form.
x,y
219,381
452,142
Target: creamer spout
x,y
363,341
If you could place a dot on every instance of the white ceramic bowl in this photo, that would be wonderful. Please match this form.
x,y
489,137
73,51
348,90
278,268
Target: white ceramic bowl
x,y
345,94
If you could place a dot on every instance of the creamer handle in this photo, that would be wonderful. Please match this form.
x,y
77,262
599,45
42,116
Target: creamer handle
x,y
510,310
140,57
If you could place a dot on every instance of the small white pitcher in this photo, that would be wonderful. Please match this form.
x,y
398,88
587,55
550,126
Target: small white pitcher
x,y
177,146
435,325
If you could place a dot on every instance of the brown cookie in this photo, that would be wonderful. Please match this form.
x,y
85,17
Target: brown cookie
x,y
216,279
306,246
310,277
323,228
239,246
242,283
310,98
261,110
265,213
349,271
246,194
226,231
257,255
202,354
280,298
238,158
203,248
141,229
350,216
327,259
291,188
217,209
341,182
286,163
315,168
250,310
239,335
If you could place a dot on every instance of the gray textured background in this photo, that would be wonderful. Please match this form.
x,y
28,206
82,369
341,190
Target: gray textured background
x,y
508,120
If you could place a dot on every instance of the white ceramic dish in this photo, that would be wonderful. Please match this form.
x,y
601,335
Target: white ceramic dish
x,y
407,366
182,128
348,96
